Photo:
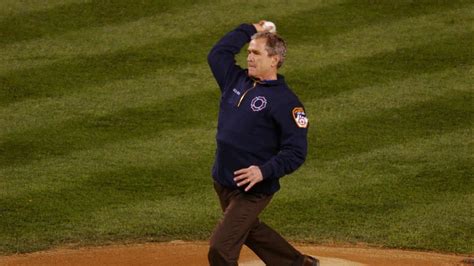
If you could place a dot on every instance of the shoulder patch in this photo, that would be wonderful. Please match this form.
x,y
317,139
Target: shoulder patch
x,y
300,117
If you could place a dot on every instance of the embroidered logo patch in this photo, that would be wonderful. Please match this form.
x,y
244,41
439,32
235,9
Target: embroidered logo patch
x,y
300,117
258,103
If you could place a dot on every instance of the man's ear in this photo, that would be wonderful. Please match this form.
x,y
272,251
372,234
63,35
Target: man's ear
x,y
275,60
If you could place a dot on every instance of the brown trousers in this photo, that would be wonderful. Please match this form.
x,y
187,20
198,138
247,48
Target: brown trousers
x,y
240,225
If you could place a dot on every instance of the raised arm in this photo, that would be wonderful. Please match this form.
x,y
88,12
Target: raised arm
x,y
221,58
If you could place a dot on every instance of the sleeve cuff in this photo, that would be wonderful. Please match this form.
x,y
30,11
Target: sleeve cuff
x,y
267,170
249,29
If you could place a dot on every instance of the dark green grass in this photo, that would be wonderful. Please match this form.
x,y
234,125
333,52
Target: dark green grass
x,y
47,23
115,144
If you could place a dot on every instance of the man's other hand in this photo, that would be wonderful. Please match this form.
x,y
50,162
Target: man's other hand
x,y
248,176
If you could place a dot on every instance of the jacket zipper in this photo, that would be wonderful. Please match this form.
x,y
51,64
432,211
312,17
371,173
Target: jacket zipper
x,y
243,95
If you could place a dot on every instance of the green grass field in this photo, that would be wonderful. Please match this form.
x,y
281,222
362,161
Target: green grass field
x,y
108,114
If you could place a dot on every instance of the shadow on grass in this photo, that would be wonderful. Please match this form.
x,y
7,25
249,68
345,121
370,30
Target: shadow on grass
x,y
74,16
95,131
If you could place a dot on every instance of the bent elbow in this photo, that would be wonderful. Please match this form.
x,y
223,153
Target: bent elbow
x,y
212,57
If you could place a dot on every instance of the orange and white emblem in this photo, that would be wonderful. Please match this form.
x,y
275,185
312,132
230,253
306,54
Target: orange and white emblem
x,y
300,117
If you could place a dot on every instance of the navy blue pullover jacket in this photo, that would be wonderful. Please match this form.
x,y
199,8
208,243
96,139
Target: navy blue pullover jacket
x,y
260,123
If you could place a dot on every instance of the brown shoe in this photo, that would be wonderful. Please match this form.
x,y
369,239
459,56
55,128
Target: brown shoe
x,y
310,261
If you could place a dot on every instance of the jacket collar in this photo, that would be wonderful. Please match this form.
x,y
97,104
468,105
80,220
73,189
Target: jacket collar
x,y
280,80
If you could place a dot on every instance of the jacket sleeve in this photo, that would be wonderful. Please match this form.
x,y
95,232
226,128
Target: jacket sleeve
x,y
293,124
221,58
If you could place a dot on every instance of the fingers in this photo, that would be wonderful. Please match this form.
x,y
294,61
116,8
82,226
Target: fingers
x,y
251,176
251,184
242,176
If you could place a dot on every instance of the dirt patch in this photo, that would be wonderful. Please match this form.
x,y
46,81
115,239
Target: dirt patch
x,y
195,254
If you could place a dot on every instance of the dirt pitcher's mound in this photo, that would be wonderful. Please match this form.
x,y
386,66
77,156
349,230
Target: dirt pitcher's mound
x,y
195,253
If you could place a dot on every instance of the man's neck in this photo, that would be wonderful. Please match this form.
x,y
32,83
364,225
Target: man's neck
x,y
272,76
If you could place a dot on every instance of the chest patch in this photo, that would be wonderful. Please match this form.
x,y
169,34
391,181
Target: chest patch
x,y
258,103
300,117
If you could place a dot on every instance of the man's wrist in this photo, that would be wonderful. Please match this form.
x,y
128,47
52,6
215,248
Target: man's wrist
x,y
258,26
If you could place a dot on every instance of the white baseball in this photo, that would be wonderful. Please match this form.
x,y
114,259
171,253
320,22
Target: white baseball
x,y
269,26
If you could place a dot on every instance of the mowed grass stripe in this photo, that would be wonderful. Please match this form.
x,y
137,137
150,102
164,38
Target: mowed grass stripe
x,y
388,162
366,101
40,217
205,18
433,58
75,74
156,87
382,68
381,38
108,179
13,7
368,190
155,150
385,163
321,24
93,131
19,111
326,112
18,86
73,16
446,113
97,130
437,56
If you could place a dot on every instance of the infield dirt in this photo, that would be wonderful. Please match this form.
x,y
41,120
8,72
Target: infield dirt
x,y
195,254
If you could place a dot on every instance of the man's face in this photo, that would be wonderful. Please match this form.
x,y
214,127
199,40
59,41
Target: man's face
x,y
260,64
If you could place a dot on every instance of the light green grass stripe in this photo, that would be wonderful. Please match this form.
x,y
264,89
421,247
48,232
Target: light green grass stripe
x,y
442,114
369,100
160,149
371,167
75,16
205,18
389,184
449,222
364,108
14,7
97,130
156,87
177,221
436,55
23,114
62,77
382,38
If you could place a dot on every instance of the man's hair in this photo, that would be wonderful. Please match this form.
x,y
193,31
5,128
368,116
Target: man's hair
x,y
275,45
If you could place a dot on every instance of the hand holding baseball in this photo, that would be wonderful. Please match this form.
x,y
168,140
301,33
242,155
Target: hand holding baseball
x,y
264,25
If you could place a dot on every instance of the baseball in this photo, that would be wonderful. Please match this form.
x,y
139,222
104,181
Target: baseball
x,y
269,26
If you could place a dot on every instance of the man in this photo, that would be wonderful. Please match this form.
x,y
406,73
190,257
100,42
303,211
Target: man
x,y
261,137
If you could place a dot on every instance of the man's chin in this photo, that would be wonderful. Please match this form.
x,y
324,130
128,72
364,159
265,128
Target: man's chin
x,y
251,73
